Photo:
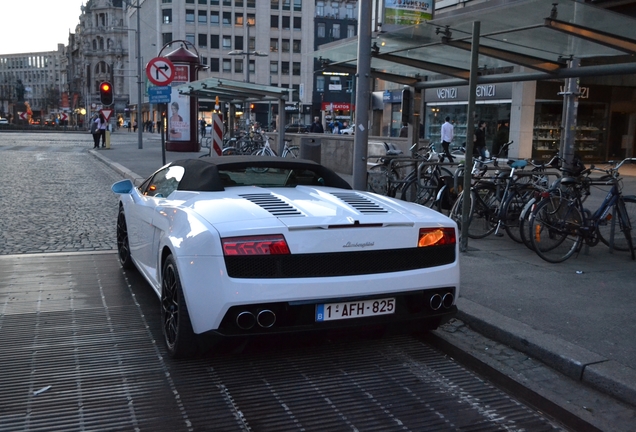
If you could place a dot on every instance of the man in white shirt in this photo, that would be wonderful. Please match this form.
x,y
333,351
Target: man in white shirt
x,y
447,137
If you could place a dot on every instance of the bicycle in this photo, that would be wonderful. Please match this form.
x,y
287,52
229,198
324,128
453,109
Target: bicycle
x,y
560,227
288,151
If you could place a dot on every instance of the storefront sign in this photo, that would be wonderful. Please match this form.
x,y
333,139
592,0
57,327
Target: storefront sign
x,y
584,92
407,13
335,106
394,96
460,94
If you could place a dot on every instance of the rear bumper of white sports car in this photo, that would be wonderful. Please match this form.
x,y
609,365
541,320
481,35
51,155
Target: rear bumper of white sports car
x,y
283,295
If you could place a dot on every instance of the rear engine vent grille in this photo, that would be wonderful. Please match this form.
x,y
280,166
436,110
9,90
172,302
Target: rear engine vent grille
x,y
360,203
273,204
338,263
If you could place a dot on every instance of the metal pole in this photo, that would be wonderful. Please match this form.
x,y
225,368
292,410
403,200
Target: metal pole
x,y
139,81
468,162
570,108
363,74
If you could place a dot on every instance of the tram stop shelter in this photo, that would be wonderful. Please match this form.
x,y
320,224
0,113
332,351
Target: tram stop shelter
x,y
491,42
234,92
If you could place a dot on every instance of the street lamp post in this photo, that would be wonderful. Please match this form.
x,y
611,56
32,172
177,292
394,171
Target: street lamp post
x,y
247,53
140,80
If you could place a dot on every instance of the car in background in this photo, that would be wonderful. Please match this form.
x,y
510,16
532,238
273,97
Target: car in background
x,y
297,128
240,246
348,131
4,121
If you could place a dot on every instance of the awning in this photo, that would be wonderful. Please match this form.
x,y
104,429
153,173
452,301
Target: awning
x,y
233,91
540,35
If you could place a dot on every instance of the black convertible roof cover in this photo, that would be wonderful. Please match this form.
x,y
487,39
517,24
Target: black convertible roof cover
x,y
202,175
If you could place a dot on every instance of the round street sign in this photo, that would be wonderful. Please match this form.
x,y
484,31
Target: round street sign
x,y
160,71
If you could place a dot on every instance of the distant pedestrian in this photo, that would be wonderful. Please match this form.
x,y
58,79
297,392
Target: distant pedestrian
x,y
480,139
316,126
202,126
129,125
94,130
135,126
100,131
447,138
404,131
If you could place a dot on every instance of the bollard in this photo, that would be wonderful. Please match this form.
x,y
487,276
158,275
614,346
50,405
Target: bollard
x,y
107,139
310,148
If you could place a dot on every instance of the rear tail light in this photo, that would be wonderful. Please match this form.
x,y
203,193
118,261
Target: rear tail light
x,y
255,245
436,237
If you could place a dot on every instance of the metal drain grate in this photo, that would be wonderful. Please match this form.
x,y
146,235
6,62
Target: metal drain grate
x,y
82,350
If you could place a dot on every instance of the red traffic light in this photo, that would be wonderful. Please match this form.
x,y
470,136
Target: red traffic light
x,y
106,93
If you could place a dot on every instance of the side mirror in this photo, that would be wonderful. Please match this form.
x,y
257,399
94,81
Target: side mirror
x,y
123,187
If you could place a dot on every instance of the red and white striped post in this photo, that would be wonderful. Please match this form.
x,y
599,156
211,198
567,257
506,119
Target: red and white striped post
x,y
217,133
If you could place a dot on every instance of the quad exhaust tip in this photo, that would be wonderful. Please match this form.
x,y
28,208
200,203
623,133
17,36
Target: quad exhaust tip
x,y
246,320
437,301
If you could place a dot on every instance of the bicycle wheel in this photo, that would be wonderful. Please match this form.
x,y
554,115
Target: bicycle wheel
x,y
555,232
230,151
291,152
457,210
263,151
511,211
378,180
422,192
624,225
483,216
524,222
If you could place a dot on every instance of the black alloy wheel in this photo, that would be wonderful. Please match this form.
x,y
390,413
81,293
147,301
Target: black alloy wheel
x,y
123,247
175,319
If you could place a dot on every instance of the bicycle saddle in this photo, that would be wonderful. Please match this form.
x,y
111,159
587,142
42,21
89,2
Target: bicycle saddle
x,y
392,150
518,163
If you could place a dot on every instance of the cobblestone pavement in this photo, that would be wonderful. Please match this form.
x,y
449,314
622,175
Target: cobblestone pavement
x,y
55,196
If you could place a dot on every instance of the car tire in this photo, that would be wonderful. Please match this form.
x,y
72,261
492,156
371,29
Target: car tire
x,y
177,330
123,246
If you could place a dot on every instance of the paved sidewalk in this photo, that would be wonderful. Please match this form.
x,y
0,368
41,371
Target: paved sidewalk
x,y
576,317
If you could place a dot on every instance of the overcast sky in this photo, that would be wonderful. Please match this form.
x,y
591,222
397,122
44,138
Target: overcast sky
x,y
37,25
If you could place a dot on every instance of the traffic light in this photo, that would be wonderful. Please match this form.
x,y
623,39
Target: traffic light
x,y
106,93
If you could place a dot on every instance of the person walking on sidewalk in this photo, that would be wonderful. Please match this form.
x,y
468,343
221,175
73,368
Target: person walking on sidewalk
x,y
480,140
100,130
447,138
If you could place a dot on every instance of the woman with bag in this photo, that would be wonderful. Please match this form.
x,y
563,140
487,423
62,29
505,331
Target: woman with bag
x,y
100,124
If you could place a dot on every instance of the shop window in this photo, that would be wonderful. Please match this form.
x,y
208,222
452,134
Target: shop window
x,y
189,17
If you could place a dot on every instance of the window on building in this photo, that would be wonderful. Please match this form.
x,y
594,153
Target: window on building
x,y
335,31
227,2
166,1
320,30
349,85
273,21
296,68
351,31
214,41
285,46
286,22
190,1
251,3
349,11
203,2
273,68
320,84
214,2
238,19
238,3
238,43
298,23
166,15
284,68
252,66
214,18
238,65
214,64
273,45
286,5
298,5
296,46
189,16
203,17
166,38
227,18
204,60
320,8
251,45
276,4
251,19
190,38
227,65
203,40
227,42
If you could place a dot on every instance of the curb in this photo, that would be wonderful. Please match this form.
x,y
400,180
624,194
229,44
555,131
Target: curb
x,y
592,369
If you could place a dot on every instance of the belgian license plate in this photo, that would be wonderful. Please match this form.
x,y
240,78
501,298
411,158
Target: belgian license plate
x,y
356,309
